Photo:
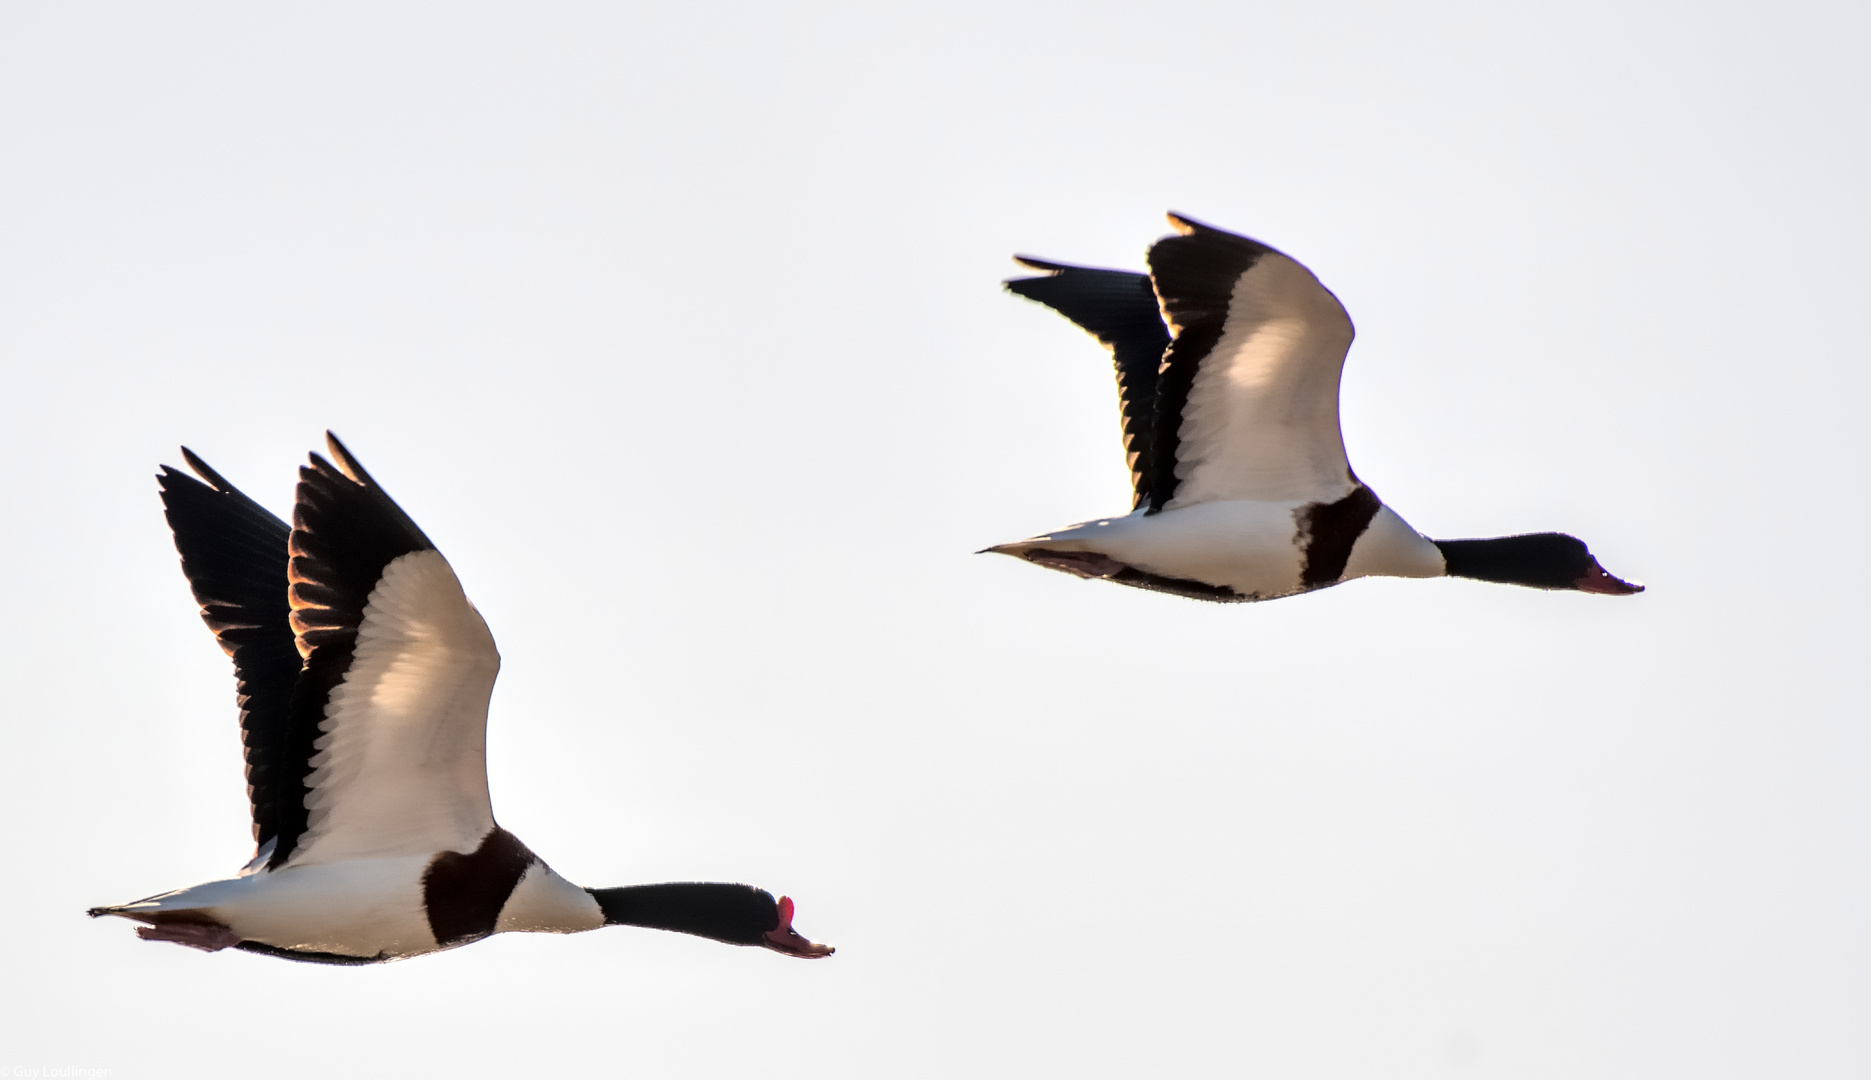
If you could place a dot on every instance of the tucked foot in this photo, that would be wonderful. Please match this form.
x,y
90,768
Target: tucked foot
x,y
208,937
1085,564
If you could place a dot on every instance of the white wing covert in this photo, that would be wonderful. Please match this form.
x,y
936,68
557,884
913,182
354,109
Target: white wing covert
x,y
391,707
1247,399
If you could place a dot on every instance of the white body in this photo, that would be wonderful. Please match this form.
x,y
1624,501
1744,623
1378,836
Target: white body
x,y
1253,547
361,907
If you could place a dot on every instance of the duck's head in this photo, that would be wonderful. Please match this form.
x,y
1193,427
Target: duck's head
x,y
1537,560
782,938
736,914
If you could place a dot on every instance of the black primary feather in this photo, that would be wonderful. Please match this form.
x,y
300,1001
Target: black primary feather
x,y
1118,308
234,556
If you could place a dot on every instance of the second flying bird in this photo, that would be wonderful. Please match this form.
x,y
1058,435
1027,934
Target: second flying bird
x,y
1228,358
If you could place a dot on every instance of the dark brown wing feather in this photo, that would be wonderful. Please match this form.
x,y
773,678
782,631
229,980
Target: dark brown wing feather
x,y
234,555
1118,308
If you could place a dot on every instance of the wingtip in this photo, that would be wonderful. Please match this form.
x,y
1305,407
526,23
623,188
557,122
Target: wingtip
x,y
340,453
1020,286
1186,225
205,471
347,462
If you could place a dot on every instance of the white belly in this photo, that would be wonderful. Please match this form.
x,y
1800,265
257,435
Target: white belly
x,y
545,903
1247,546
1391,548
1255,548
357,907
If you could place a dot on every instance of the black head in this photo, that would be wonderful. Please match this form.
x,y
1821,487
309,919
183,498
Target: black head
x,y
735,914
1538,560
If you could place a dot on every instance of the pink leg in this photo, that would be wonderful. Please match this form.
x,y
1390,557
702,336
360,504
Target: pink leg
x,y
208,937
1085,564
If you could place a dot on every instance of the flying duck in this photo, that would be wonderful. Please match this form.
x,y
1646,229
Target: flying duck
x,y
1228,356
363,679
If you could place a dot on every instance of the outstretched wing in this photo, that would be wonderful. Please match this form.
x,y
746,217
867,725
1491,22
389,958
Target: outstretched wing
x,y
234,556
1119,309
390,712
1247,400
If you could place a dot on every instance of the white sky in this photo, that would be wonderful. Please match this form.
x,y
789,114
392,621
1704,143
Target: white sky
x,y
678,328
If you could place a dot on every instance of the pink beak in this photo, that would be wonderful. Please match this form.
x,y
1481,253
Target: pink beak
x,y
784,939
1596,580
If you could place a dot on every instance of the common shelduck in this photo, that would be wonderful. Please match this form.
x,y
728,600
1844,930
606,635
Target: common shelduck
x,y
1230,423
363,682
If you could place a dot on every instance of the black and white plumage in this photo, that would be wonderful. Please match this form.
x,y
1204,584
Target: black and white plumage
x,y
364,676
1228,357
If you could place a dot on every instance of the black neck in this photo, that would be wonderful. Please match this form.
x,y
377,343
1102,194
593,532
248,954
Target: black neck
x,y
1539,560
736,914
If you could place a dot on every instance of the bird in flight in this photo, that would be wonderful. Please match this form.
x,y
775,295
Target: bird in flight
x,y
363,682
1228,356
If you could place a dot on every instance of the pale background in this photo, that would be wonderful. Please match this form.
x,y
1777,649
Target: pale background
x,y
678,328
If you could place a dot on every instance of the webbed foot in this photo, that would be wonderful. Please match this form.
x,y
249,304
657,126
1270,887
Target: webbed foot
x,y
208,937
1085,564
